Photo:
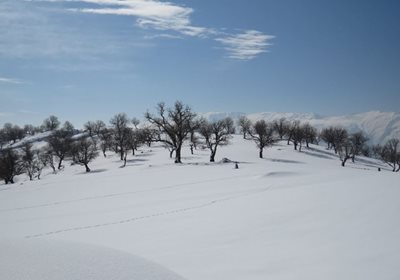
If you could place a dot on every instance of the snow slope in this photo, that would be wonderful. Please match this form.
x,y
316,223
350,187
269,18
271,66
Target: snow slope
x,y
379,126
289,216
49,260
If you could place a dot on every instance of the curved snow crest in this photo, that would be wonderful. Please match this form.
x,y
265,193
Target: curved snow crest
x,y
61,260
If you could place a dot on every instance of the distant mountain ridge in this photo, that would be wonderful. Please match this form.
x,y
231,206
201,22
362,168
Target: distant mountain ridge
x,y
378,126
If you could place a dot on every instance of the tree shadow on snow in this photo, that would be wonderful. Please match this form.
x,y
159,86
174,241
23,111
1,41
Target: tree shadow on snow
x,y
93,171
318,155
284,160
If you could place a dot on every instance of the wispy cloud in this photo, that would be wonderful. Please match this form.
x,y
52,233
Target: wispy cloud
x,y
246,45
10,81
32,33
165,36
176,19
29,112
150,14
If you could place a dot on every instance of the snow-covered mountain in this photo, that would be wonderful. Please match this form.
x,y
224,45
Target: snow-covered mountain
x,y
378,126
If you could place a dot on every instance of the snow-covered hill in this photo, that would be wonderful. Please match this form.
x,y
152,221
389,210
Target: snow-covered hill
x,y
288,216
379,126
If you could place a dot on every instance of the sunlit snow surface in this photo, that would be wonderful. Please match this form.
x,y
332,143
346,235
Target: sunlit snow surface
x,y
289,216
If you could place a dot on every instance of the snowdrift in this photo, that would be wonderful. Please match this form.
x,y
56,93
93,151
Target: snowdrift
x,y
60,260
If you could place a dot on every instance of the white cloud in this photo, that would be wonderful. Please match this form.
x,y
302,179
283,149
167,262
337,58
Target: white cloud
x,y
170,17
150,14
165,36
10,81
246,45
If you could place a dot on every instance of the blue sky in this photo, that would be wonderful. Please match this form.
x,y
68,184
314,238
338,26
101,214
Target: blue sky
x,y
87,60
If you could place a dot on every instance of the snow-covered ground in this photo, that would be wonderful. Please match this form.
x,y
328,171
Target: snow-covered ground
x,y
45,259
289,216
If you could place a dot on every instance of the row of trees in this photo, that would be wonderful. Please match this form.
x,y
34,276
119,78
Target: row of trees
x,y
346,145
12,133
172,126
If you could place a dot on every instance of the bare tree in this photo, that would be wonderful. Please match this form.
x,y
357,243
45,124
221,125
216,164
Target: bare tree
x,y
89,127
281,127
29,129
340,138
345,150
245,124
106,139
297,135
263,135
51,123
358,141
84,151
194,136
310,134
174,125
10,165
13,132
328,136
29,160
33,161
120,132
215,134
390,153
230,125
135,139
60,144
47,158
135,122
93,128
149,134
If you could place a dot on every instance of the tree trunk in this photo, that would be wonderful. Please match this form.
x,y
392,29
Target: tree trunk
x,y
87,168
122,152
213,153
59,164
212,157
295,145
171,153
344,161
178,155
261,153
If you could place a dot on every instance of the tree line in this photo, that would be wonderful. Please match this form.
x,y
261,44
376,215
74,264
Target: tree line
x,y
171,126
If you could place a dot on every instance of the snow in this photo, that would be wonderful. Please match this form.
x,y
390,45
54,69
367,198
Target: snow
x,y
378,126
291,215
61,260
